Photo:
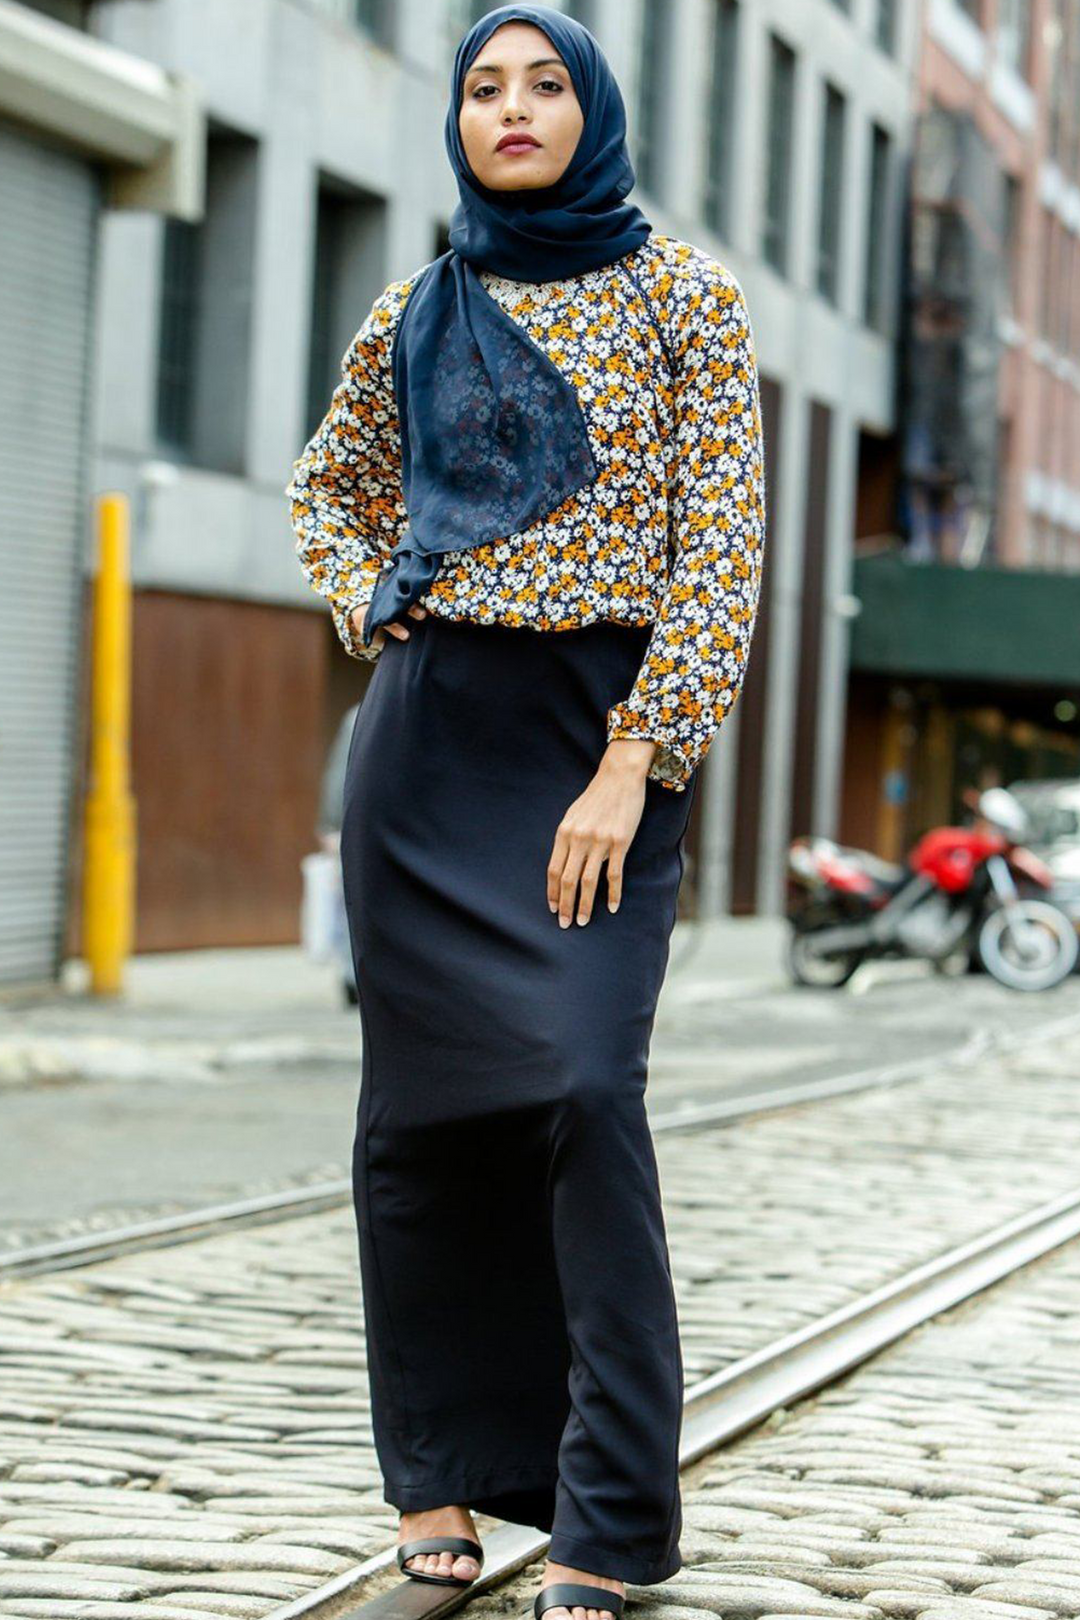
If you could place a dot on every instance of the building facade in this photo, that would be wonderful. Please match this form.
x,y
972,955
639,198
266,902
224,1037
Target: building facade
x,y
966,658
87,133
774,133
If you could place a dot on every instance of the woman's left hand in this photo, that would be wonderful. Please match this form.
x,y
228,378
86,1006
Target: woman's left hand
x,y
599,827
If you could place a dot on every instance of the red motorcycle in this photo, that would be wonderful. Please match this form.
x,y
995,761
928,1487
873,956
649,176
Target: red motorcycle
x,y
964,894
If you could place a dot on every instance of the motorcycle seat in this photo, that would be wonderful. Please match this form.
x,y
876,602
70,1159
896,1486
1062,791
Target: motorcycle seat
x,y
888,873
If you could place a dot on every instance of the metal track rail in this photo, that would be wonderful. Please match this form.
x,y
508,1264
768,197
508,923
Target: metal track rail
x,y
188,1226
733,1400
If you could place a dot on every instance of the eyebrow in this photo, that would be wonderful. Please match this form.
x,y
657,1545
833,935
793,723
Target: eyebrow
x,y
541,61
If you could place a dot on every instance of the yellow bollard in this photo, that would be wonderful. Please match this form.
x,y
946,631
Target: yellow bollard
x,y
109,872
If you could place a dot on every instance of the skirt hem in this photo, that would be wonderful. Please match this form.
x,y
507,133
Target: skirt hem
x,y
617,1565
460,1489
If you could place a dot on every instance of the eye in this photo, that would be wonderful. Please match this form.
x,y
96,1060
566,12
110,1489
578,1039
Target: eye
x,y
542,84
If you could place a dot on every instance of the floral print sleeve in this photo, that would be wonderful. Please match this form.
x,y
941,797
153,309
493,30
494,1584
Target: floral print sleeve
x,y
696,655
345,492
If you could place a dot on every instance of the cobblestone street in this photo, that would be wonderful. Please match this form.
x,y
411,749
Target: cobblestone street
x,y
939,1481
184,1432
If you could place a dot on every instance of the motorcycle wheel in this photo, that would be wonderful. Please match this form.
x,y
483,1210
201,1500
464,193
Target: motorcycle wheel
x,y
809,967
1038,954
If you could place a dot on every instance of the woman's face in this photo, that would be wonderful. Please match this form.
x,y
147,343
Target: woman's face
x,y
518,86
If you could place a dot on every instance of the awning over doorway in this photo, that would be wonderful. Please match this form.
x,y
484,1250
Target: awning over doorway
x,y
944,621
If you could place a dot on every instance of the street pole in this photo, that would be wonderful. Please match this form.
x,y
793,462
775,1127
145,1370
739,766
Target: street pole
x,y
109,874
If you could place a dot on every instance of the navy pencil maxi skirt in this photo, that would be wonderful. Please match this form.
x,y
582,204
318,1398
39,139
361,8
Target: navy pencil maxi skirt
x,y
523,1349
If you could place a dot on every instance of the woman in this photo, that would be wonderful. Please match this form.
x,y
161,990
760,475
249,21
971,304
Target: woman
x,y
537,500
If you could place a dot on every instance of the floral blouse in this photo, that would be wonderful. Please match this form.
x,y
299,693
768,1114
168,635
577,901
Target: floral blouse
x,y
671,532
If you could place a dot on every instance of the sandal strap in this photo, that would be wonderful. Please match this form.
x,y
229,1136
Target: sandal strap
x,y
460,1546
576,1595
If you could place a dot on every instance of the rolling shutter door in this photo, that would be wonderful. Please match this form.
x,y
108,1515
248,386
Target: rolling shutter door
x,y
49,205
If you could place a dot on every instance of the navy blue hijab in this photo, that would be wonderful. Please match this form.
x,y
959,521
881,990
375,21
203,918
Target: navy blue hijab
x,y
492,435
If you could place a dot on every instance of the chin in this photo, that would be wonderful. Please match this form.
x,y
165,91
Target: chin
x,y
505,180
521,185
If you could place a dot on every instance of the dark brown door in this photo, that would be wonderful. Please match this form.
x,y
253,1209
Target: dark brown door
x,y
228,743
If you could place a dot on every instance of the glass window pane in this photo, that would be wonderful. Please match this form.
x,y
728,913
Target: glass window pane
x,y
886,25
1014,25
650,85
720,121
831,194
179,314
779,135
877,218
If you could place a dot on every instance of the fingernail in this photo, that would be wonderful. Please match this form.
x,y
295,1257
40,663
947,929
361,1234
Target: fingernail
x,y
582,920
564,922
553,906
613,905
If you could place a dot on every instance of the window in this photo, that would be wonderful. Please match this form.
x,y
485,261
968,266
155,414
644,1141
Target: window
x,y
1068,291
370,15
1014,34
1056,77
876,226
459,16
654,36
348,271
1010,233
324,351
886,25
776,227
720,119
75,13
373,17
1048,272
178,324
831,194
204,333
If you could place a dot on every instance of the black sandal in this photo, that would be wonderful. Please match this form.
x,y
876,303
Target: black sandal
x,y
575,1595
460,1546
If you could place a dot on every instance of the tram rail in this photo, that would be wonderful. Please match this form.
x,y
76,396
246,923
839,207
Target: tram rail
x,y
189,1226
733,1400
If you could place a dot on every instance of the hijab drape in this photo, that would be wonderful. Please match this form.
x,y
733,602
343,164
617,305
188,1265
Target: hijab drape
x,y
492,434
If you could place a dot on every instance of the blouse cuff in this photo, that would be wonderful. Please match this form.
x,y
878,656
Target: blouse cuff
x,y
341,613
669,766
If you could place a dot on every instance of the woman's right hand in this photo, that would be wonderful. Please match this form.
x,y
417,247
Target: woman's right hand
x,y
359,615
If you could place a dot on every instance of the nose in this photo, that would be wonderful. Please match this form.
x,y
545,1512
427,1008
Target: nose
x,y
511,110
